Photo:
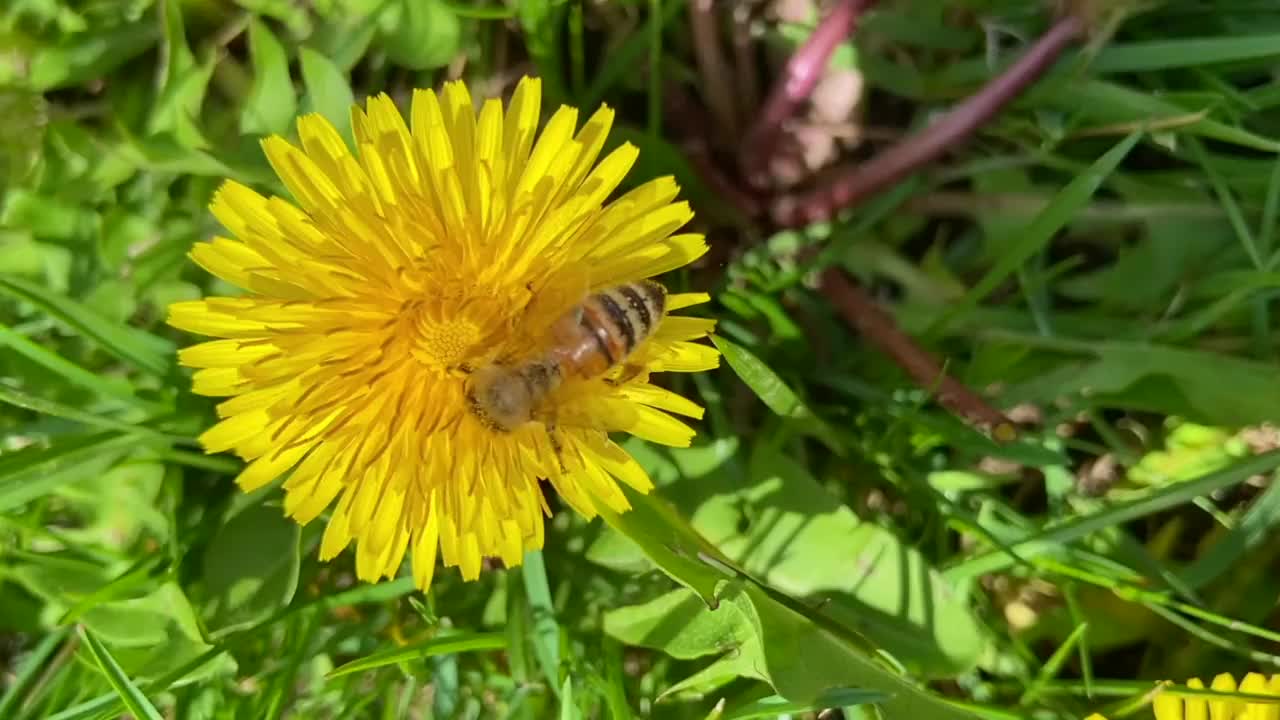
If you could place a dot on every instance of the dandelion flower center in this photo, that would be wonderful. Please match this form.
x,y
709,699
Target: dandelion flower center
x,y
432,248
443,343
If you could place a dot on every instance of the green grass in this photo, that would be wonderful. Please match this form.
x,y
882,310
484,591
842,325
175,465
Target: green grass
x,y
1101,256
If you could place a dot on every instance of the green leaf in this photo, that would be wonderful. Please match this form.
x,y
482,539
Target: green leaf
x,y
142,349
184,84
202,665
656,527
328,91
47,216
440,645
802,655
806,663
271,104
79,57
896,599
250,568
708,680
775,393
24,115
422,34
152,634
346,39
678,624
133,698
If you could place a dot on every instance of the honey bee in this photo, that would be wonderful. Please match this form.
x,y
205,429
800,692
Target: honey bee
x,y
598,334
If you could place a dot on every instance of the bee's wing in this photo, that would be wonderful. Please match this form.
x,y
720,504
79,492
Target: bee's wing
x,y
557,304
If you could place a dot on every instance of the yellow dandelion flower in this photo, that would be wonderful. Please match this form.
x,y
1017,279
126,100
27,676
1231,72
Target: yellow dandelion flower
x,y
438,248
1169,705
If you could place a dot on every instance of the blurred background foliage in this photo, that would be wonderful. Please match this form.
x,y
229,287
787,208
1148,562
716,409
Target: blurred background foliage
x,y
1100,260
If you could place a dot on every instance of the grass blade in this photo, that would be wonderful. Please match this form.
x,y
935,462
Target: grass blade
x,y
776,394
33,471
68,370
53,408
622,60
540,21
546,631
1080,526
1036,236
460,642
137,703
26,678
568,710
136,347
1184,52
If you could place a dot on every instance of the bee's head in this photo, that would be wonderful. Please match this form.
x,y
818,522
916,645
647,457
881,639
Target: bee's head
x,y
500,398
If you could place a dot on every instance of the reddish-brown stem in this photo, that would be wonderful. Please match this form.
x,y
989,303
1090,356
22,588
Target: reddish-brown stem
x,y
864,315
798,79
848,188
717,81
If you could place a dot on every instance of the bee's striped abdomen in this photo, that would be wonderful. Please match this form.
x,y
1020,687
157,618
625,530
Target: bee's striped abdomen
x,y
611,324
632,311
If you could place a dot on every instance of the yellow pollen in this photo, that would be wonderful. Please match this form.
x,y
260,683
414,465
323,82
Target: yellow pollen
x,y
444,344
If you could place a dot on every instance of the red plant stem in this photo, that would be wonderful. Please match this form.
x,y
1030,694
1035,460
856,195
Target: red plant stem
x,y
864,315
886,168
798,79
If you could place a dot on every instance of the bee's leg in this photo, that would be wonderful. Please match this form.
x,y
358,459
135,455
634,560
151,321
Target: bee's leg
x,y
549,423
556,447
630,371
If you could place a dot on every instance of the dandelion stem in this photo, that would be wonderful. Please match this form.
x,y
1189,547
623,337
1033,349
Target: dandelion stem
x,y
850,187
798,79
